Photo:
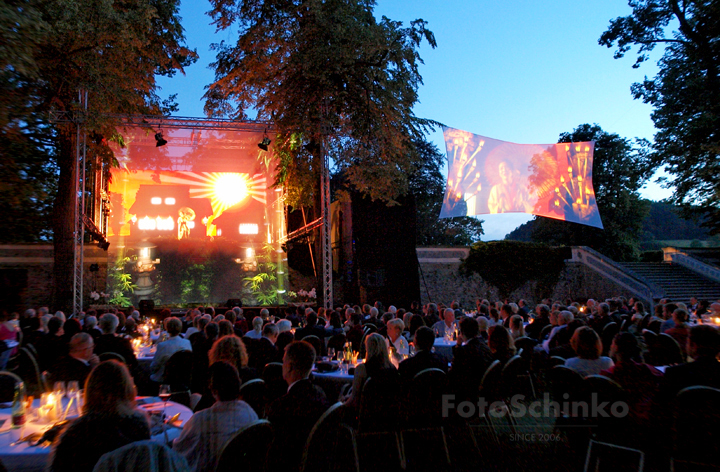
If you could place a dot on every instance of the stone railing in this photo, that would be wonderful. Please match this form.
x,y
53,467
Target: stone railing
x,y
671,254
622,276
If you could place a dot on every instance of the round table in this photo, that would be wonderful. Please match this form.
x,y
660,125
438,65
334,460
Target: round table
x,y
145,356
332,382
444,348
24,458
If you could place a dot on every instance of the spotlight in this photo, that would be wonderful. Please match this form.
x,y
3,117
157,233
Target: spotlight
x,y
265,142
160,141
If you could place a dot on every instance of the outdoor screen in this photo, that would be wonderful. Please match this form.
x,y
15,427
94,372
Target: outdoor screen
x,y
192,218
488,176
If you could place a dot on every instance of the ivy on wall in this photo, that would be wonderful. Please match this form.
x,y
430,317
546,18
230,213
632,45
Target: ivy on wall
x,y
508,265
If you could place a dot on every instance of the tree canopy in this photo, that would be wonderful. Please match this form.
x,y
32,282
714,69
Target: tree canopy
x,y
58,48
326,73
619,171
685,93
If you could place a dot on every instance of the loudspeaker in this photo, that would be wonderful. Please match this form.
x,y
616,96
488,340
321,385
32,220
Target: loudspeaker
x,y
233,302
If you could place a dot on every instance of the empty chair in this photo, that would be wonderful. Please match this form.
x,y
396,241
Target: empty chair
x,y
567,388
25,366
606,391
331,445
669,350
381,403
515,378
255,393
697,438
605,457
247,449
607,335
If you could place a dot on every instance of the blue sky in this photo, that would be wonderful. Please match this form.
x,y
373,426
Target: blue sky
x,y
520,70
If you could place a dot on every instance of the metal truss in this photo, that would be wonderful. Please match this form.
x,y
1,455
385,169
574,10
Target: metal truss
x,y
326,246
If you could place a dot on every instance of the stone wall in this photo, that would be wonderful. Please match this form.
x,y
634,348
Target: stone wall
x,y
441,282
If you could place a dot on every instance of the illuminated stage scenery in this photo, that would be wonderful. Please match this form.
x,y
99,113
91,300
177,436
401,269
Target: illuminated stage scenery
x,y
490,176
191,217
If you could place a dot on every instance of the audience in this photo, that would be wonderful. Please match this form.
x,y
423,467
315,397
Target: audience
x,y
166,349
424,357
588,347
78,363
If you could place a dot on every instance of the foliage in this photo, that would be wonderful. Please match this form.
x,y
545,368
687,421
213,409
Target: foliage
x,y
685,94
508,265
427,185
333,80
619,171
195,283
265,285
120,283
111,50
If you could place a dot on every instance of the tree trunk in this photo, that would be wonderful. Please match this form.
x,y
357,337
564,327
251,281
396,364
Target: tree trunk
x,y
64,221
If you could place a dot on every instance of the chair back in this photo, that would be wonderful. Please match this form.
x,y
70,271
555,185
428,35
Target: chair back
x,y
513,377
490,383
255,393
178,374
111,356
565,381
380,403
146,455
669,350
337,342
645,321
247,449
527,345
545,332
556,360
599,390
606,457
25,366
317,344
425,398
654,326
608,333
273,377
8,380
331,444
697,414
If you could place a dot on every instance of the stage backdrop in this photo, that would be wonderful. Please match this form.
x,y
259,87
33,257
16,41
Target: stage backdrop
x,y
191,219
490,176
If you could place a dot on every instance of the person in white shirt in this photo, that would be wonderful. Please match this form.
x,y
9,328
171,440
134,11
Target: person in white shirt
x,y
166,349
256,332
206,432
446,324
395,328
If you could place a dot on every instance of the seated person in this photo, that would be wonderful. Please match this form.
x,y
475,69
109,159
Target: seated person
x,y
256,331
78,363
703,345
294,414
166,349
424,358
588,347
471,358
377,364
501,344
446,326
109,420
108,341
206,432
395,328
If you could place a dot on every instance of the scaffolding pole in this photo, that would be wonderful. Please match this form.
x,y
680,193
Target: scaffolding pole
x,y
79,210
325,243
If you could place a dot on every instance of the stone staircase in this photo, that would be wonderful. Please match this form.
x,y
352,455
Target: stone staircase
x,y
677,282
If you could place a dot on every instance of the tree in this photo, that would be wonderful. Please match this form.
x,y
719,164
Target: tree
x,y
111,50
330,77
427,184
685,93
619,171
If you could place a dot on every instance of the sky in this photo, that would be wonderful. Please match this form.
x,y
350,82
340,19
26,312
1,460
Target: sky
x,y
522,71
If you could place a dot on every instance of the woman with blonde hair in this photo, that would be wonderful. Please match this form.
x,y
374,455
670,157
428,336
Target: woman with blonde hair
x,y
588,347
517,329
377,364
109,420
230,349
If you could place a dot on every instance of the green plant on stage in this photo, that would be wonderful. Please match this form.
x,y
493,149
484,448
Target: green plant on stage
x,y
195,283
120,283
266,284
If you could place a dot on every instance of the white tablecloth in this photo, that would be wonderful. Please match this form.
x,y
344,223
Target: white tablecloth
x,y
24,458
444,348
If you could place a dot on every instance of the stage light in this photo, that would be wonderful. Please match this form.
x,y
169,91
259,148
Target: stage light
x,y
265,142
155,201
159,140
248,228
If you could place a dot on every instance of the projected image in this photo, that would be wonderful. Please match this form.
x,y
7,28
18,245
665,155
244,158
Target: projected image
x,y
489,176
193,219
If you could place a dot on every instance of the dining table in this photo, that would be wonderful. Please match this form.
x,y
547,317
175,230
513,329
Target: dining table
x,y
444,348
25,457
332,382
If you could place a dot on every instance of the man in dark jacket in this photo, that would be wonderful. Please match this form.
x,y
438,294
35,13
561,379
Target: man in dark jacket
x,y
471,358
424,358
294,414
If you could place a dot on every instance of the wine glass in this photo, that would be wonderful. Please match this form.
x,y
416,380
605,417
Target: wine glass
x,y
59,389
331,352
72,391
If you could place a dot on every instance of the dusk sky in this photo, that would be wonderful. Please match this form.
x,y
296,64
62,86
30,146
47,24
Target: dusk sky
x,y
522,71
